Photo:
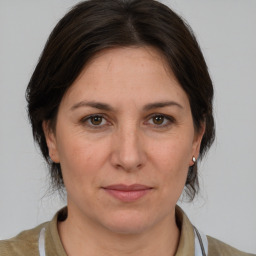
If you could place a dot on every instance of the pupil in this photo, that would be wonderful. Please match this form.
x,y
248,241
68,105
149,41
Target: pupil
x,y
158,119
96,120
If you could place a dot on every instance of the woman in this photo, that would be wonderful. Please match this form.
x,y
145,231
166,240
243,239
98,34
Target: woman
x,y
121,106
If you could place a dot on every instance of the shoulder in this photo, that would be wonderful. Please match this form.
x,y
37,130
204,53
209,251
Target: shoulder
x,y
216,247
25,243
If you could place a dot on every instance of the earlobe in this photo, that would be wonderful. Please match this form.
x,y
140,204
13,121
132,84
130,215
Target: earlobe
x,y
51,142
197,143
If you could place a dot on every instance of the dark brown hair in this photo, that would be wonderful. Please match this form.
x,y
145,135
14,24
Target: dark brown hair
x,y
94,25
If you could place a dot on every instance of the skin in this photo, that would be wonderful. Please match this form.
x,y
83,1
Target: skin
x,y
127,144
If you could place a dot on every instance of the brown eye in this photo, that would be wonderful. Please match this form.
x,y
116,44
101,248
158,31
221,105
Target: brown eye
x,y
96,120
158,120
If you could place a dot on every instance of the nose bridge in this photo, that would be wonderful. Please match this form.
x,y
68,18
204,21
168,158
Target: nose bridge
x,y
129,151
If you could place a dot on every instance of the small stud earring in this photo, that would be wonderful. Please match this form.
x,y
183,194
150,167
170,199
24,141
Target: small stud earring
x,y
193,159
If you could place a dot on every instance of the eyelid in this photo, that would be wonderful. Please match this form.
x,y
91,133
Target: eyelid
x,y
169,118
85,120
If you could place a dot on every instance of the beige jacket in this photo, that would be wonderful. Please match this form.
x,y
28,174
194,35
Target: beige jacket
x,y
26,243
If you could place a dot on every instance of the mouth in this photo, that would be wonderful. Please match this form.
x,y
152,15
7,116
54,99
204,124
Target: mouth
x,y
127,193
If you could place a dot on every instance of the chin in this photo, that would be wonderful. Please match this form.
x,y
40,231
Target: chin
x,y
128,223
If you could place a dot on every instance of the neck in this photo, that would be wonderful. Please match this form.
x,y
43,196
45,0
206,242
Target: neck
x,y
84,237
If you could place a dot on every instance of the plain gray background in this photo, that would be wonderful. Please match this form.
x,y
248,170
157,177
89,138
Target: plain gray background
x,y
226,206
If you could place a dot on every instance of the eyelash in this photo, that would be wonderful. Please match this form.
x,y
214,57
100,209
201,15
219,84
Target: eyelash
x,y
87,119
169,119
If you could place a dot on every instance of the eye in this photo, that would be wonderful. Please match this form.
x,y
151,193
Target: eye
x,y
160,120
94,121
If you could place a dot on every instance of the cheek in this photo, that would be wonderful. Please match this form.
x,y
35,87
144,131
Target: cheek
x,y
173,153
78,159
171,158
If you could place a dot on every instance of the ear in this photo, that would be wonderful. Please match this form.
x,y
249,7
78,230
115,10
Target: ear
x,y
197,143
51,141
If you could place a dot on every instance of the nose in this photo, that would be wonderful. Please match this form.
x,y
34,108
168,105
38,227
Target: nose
x,y
128,150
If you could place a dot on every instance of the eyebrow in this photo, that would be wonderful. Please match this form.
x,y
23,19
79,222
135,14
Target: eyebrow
x,y
93,104
161,105
107,107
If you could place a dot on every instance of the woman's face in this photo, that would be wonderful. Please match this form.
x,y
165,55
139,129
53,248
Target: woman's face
x,y
125,140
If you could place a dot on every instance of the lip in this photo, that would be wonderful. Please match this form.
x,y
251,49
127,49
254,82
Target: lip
x,y
127,193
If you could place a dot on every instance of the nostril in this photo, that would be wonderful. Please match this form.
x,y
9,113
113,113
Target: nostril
x,y
128,167
139,166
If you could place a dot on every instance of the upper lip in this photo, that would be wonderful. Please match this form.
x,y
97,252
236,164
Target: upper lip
x,y
123,187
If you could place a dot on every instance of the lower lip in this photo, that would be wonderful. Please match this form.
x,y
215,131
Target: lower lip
x,y
128,196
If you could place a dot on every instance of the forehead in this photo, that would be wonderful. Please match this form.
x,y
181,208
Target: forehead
x,y
136,73
116,59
